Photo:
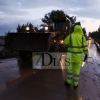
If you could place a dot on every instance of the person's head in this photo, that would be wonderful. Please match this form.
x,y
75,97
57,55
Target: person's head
x,y
78,29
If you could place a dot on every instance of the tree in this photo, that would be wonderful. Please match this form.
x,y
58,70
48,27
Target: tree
x,y
55,14
73,19
22,28
99,29
18,28
96,34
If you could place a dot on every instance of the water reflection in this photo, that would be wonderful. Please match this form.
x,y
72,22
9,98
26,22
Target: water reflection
x,y
72,94
24,71
90,41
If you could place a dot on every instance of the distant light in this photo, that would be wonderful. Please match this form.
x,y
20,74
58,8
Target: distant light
x,y
46,27
66,27
61,41
54,40
63,55
27,28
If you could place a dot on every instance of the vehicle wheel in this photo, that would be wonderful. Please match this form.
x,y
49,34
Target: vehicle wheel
x,y
55,47
25,55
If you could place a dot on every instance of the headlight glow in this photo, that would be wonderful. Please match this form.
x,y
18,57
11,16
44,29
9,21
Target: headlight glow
x,y
62,42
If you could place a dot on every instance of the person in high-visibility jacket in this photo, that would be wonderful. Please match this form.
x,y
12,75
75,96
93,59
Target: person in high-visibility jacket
x,y
76,43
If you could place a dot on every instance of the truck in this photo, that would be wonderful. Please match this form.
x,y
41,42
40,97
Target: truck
x,y
51,40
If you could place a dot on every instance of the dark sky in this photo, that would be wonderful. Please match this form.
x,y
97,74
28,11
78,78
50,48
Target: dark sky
x,y
14,12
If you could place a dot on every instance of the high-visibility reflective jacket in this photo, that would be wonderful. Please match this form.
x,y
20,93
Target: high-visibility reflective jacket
x,y
76,43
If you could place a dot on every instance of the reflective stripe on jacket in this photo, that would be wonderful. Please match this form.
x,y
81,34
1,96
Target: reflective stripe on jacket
x,y
76,43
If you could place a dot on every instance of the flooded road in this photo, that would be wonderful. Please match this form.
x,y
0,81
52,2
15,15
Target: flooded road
x,y
19,81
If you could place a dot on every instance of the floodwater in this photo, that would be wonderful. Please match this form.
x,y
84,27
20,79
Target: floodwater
x,y
20,81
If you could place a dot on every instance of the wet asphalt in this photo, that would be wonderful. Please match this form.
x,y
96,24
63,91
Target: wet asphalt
x,y
19,81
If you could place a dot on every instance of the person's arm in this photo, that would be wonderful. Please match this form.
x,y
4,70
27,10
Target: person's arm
x,y
85,48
